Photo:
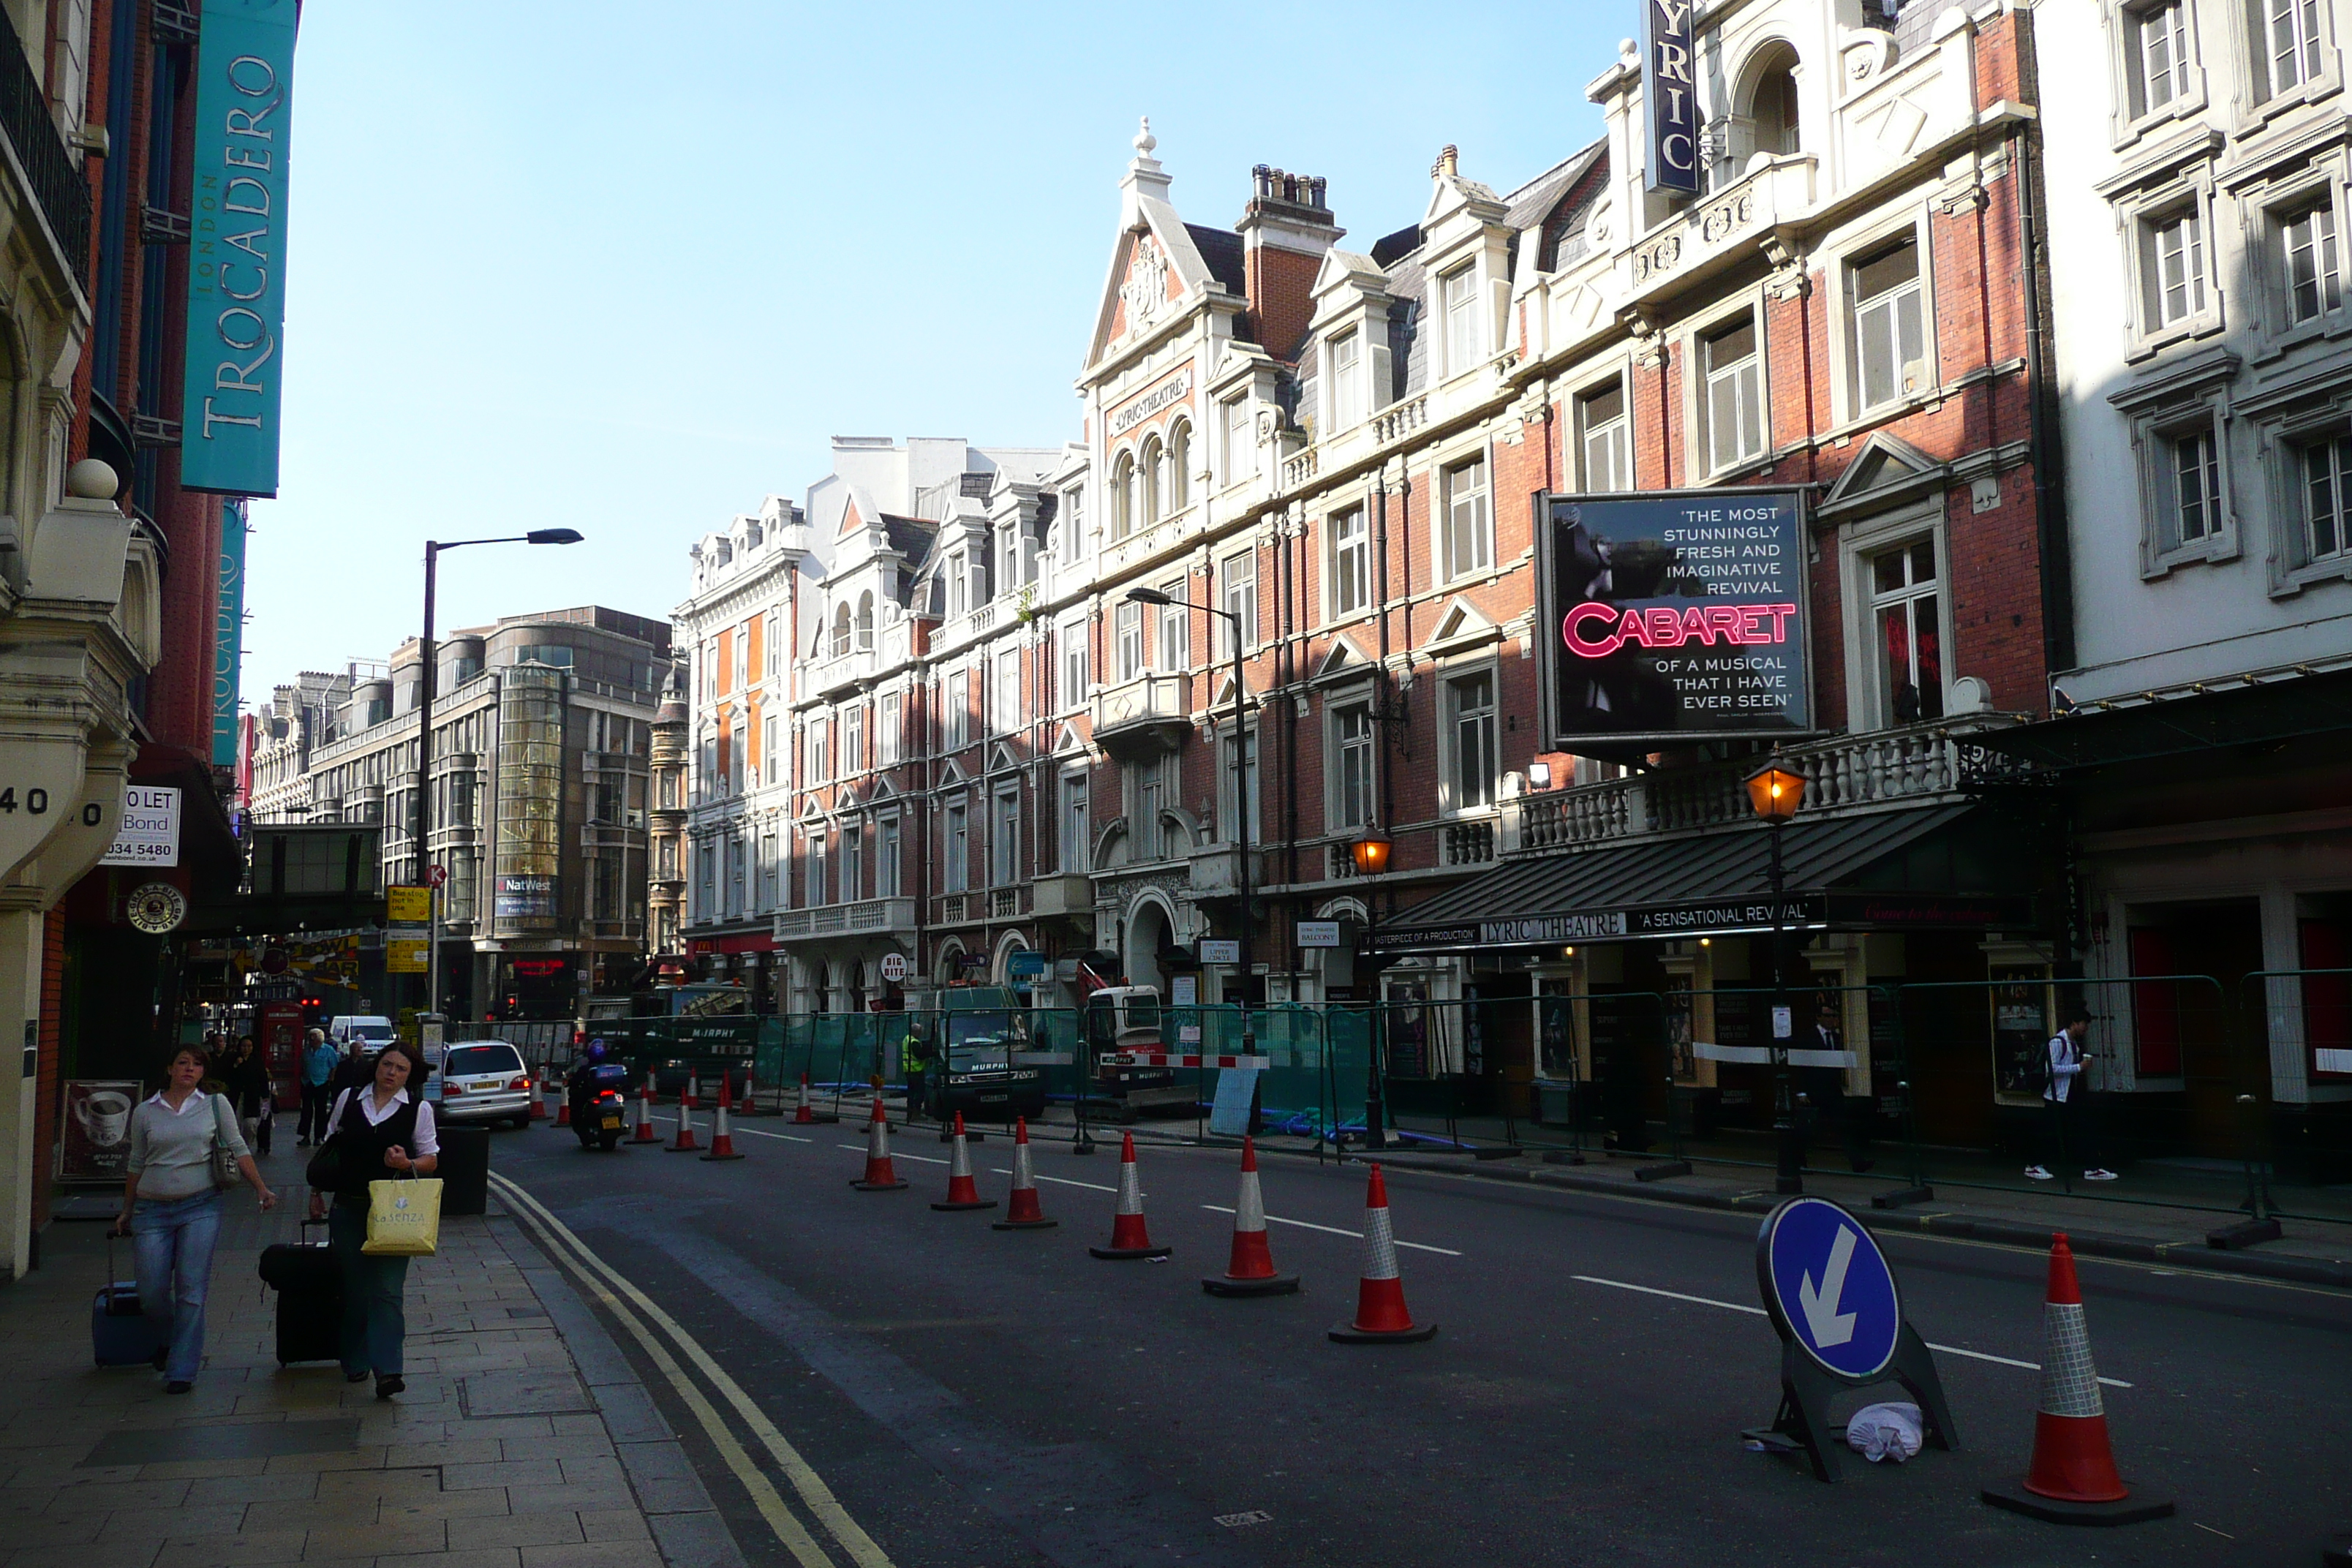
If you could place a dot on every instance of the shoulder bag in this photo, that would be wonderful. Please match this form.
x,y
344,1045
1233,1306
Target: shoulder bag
x,y
325,1171
225,1173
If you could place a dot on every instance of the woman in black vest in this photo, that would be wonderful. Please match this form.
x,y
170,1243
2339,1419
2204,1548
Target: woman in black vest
x,y
379,1132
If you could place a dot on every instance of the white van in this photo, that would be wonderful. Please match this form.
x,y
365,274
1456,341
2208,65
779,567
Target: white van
x,y
371,1030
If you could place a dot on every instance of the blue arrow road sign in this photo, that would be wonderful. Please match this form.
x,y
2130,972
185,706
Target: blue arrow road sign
x,y
1829,1287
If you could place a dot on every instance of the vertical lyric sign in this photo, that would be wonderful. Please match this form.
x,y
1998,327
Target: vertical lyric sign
x,y
1670,95
1673,616
237,261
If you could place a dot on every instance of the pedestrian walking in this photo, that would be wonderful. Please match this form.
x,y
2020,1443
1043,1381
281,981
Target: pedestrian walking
x,y
2069,1130
378,1132
1829,1109
914,1061
249,1086
355,1070
320,1061
172,1205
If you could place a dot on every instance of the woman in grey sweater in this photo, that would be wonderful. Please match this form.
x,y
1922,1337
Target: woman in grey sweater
x,y
172,1210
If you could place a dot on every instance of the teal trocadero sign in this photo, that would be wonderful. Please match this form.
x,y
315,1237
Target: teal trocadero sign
x,y
236,273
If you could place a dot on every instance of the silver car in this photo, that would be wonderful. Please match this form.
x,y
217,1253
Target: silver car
x,y
482,1081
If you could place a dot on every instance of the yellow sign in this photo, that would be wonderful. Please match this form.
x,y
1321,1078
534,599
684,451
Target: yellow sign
x,y
407,906
406,956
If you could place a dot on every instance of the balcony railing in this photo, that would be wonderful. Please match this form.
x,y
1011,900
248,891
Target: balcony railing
x,y
1469,843
859,917
1151,709
57,186
1216,871
1849,773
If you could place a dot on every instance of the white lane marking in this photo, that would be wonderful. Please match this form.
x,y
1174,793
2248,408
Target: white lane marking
x,y
1335,1230
1758,1311
1090,1186
747,1132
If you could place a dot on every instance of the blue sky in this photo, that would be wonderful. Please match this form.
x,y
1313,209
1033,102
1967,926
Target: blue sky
x,y
578,266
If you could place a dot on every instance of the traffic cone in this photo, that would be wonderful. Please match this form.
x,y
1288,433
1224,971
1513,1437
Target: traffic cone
x,y
1250,1271
881,1176
1021,1211
807,1116
1381,1315
645,1132
2073,1477
1128,1239
963,1193
686,1143
722,1130
539,1099
750,1106
563,1109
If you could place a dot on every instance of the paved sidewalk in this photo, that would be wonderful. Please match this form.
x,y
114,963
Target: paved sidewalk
x,y
502,1454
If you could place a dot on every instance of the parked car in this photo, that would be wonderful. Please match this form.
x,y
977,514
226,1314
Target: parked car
x,y
479,1080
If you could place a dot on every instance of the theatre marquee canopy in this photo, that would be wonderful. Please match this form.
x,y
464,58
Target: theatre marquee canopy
x,y
1881,872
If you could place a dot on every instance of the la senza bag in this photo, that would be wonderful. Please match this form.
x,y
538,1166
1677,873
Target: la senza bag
x,y
403,1217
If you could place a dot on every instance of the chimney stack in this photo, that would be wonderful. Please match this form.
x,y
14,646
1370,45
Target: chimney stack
x,y
1285,231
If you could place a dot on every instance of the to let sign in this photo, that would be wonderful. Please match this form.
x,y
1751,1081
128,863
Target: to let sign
x,y
237,263
150,833
1673,616
1673,98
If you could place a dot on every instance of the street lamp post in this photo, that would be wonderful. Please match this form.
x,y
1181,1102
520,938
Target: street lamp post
x,y
421,819
1140,595
1371,853
1776,791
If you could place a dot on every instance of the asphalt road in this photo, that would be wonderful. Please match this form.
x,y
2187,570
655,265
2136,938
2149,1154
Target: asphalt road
x,y
981,1397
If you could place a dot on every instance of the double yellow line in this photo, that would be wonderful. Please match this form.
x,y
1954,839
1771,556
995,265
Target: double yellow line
x,y
634,1312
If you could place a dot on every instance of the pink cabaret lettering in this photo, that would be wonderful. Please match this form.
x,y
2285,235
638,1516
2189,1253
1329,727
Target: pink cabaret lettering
x,y
1660,626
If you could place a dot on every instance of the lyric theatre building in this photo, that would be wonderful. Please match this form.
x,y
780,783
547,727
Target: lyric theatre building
x,y
1771,450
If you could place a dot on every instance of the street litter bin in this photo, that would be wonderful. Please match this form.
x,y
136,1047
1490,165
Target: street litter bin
x,y
465,1170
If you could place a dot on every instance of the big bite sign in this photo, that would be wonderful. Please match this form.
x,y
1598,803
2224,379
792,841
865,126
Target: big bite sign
x,y
1673,615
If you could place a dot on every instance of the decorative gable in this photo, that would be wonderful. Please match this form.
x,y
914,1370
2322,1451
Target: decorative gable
x,y
1460,624
1343,660
1886,471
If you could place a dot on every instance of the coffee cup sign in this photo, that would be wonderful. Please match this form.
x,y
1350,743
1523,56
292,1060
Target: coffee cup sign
x,y
97,1142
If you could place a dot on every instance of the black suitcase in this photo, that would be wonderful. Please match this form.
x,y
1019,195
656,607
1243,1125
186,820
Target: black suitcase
x,y
310,1285
120,1333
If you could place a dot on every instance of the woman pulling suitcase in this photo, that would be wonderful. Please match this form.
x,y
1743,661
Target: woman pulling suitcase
x,y
377,1132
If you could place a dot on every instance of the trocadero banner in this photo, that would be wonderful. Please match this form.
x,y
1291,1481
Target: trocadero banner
x,y
1673,615
237,263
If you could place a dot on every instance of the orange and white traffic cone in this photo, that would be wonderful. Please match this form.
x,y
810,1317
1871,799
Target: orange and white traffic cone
x,y
1381,1318
1250,1271
808,1116
645,1132
686,1143
1021,1211
1128,1238
881,1176
722,1130
2073,1477
539,1098
563,1109
962,1192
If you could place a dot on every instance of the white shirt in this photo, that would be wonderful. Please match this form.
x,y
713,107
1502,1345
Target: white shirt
x,y
427,1143
2065,1061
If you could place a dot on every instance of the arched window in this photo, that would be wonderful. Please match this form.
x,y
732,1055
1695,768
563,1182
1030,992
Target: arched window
x,y
841,631
1179,467
1772,105
1122,496
1155,481
865,622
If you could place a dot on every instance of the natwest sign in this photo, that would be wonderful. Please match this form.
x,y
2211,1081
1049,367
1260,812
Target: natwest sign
x,y
1673,615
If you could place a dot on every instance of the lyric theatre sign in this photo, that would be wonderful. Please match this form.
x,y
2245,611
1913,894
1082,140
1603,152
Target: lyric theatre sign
x,y
1673,616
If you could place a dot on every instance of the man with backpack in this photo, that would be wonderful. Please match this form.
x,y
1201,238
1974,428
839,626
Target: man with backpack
x,y
2065,1102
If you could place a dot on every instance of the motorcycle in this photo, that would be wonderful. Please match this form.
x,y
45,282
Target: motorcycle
x,y
598,1123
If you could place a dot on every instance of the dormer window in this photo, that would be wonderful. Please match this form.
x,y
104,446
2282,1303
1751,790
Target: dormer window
x,y
866,623
1466,345
1344,389
959,586
841,631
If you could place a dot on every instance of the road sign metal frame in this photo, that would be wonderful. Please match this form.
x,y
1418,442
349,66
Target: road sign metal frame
x,y
1808,1383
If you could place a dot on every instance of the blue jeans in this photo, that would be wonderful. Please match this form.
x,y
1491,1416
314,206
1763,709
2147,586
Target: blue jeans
x,y
373,1327
172,1242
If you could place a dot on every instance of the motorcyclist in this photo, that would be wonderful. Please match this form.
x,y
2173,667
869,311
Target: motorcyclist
x,y
596,1070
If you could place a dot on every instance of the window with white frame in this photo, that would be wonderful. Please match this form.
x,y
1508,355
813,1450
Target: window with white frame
x,y
2172,265
2327,501
818,893
2157,55
1074,523
772,871
1351,563
959,586
2287,44
865,622
853,863
1241,439
1008,692
1237,575
853,739
771,639
1179,466
1351,779
1074,665
1343,385
1906,618
1229,823
1149,828
1734,394
1175,629
705,881
886,859
1606,437
955,701
955,858
770,751
840,631
2192,509
734,889
1126,628
1152,464
1122,495
1004,840
742,655
818,733
889,719
735,756
1071,823
1890,350
2307,251
1008,557
1472,743
1466,342
1466,535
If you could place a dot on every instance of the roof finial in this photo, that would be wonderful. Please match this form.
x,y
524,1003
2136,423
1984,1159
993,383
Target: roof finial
x,y
1145,142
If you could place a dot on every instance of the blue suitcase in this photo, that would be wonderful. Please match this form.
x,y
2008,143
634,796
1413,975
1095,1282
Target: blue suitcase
x,y
120,1333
